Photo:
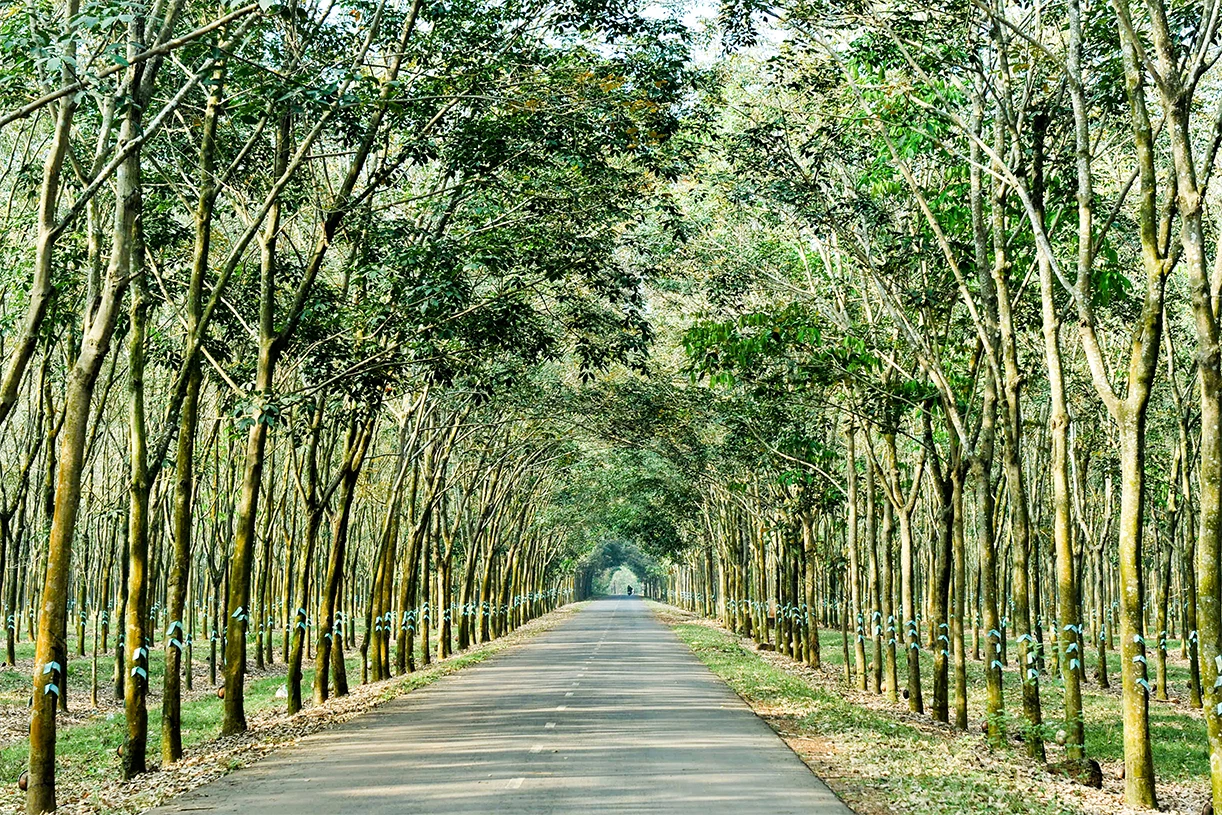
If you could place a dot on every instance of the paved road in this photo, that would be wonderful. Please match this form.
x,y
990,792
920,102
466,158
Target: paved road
x,y
607,713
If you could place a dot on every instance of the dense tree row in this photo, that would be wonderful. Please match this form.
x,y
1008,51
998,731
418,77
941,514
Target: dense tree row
x,y
958,271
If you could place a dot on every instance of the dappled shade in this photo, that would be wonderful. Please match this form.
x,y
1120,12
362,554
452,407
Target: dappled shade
x,y
646,729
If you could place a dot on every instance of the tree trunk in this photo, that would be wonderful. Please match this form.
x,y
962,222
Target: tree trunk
x,y
50,650
1134,684
135,745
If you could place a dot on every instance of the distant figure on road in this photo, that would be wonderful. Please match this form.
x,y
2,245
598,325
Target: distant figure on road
x,y
630,591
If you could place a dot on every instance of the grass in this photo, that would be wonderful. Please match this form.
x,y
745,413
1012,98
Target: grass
x,y
881,758
1177,733
89,749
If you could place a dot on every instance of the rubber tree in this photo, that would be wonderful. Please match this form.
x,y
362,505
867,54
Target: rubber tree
x,y
271,345
99,320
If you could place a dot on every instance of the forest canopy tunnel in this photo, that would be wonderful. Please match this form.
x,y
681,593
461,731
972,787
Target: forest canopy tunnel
x,y
624,502
620,581
596,569
386,343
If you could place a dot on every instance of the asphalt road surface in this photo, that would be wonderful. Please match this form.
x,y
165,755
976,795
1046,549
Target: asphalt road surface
x,y
607,713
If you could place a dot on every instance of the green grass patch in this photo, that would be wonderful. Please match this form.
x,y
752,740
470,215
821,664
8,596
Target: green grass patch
x,y
877,757
1177,733
89,750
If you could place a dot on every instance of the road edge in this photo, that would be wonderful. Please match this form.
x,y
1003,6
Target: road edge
x,y
669,616
211,760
